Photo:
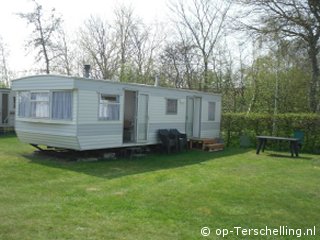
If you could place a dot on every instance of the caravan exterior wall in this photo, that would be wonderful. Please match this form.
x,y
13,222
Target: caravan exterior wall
x,y
85,114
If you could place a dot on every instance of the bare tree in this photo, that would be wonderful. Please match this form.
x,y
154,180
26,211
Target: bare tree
x,y
291,19
65,54
124,22
97,38
4,77
43,29
204,21
180,64
145,43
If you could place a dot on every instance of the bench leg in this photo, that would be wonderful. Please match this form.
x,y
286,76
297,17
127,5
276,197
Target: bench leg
x,y
292,148
259,146
296,148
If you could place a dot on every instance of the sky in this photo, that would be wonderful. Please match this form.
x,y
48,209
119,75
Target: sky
x,y
14,30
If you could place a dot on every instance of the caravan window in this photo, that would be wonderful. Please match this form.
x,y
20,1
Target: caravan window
x,y
109,107
23,104
40,105
55,105
172,106
211,111
62,105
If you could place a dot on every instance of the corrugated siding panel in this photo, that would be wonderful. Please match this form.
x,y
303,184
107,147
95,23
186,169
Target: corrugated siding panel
x,y
99,129
58,141
88,106
46,128
100,142
210,134
43,83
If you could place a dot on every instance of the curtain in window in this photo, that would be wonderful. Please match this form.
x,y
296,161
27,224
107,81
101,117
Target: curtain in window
x,y
40,105
23,104
109,111
62,105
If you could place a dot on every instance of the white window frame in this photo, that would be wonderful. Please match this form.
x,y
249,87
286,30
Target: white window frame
x,y
32,101
169,111
106,103
28,112
212,111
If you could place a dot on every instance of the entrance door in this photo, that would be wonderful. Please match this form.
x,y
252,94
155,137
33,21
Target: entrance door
x,y
129,119
5,110
142,118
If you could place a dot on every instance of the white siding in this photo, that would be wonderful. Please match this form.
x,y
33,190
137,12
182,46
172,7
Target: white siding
x,y
157,110
59,141
88,107
99,142
48,128
43,82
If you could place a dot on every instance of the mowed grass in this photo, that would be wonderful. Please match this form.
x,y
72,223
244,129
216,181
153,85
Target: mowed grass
x,y
156,197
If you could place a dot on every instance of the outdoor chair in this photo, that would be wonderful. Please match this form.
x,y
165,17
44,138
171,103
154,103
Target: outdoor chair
x,y
300,135
181,139
168,140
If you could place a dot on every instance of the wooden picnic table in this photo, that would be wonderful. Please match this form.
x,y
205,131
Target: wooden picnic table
x,y
294,143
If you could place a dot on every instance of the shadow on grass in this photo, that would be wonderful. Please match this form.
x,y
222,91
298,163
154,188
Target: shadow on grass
x,y
288,156
116,168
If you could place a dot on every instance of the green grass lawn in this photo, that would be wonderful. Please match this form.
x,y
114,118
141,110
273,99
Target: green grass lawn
x,y
157,197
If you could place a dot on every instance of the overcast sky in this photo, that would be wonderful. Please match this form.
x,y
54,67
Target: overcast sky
x,y
14,30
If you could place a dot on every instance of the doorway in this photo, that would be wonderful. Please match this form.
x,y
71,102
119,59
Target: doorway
x,y
130,116
5,109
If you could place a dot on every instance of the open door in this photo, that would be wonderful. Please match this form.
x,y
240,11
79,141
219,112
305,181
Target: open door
x,y
142,118
193,117
5,108
130,115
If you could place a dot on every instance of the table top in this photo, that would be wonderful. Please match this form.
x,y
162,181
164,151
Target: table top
x,y
278,138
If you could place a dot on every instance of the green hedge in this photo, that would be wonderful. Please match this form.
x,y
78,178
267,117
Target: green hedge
x,y
235,125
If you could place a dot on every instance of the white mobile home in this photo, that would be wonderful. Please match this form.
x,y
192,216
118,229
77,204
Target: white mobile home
x,y
7,108
84,114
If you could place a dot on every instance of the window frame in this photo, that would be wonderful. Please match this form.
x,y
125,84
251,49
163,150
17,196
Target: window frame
x,y
211,117
108,103
40,101
167,106
50,105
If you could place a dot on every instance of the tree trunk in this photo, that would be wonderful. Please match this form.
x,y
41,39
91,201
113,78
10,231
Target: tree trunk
x,y
314,81
206,76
